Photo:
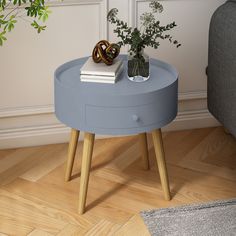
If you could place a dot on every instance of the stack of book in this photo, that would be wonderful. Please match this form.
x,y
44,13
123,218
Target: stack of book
x,y
100,72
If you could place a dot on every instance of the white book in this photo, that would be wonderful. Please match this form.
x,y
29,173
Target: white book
x,y
92,68
99,81
97,77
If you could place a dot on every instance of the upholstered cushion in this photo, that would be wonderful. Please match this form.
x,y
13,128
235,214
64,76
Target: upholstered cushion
x,y
222,66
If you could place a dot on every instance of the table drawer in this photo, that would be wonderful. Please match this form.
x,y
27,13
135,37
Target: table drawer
x,y
125,117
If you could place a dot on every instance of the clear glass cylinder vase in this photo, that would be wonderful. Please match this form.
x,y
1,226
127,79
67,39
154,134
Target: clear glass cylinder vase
x,y
138,67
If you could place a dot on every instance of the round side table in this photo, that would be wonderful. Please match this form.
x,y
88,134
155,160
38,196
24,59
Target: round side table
x,y
123,108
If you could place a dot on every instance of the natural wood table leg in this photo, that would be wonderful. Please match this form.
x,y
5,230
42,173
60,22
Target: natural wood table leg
x,y
144,149
160,157
71,153
85,169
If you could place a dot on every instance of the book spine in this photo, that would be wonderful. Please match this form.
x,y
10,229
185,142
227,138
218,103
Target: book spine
x,y
97,77
97,81
108,74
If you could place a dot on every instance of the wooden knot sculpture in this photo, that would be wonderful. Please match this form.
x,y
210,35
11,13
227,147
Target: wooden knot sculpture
x,y
106,52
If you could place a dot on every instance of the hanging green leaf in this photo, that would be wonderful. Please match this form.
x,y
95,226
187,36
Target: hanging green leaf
x,y
10,24
38,27
44,14
36,11
2,37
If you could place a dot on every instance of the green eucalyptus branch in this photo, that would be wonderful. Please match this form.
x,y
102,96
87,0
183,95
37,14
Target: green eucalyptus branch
x,y
34,11
148,34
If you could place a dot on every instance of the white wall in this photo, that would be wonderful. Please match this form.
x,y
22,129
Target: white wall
x,y
28,60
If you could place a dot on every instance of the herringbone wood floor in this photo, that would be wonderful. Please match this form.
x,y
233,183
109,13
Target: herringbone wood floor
x,y
35,200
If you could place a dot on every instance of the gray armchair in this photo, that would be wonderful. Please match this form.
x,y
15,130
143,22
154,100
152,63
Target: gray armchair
x,y
221,69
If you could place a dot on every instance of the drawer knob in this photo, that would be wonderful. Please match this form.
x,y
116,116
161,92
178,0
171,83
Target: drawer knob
x,y
135,118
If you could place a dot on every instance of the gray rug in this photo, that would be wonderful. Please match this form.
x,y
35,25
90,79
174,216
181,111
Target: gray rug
x,y
211,219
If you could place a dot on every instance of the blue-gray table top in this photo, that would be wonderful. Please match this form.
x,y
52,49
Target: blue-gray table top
x,y
161,75
125,107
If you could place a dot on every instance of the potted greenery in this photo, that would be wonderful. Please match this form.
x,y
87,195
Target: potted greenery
x,y
146,36
10,11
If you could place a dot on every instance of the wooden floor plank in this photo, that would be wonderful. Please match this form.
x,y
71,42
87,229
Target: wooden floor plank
x,y
38,232
102,228
59,205
72,230
21,161
2,234
52,159
29,213
135,226
35,199
10,225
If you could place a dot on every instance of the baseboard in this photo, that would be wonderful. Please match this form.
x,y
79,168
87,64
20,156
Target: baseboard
x,y
192,120
59,133
33,136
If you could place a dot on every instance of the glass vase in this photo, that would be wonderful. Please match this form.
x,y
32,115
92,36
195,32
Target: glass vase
x,y
138,67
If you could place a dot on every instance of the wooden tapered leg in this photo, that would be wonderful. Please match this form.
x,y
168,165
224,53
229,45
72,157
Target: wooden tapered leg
x,y
71,153
85,169
144,149
160,157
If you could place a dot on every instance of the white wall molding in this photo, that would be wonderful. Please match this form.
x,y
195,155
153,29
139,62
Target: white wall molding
x,y
33,136
193,95
26,111
192,120
133,11
32,130
103,8
54,3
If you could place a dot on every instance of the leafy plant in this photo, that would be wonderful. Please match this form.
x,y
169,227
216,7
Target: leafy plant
x,y
32,11
147,35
